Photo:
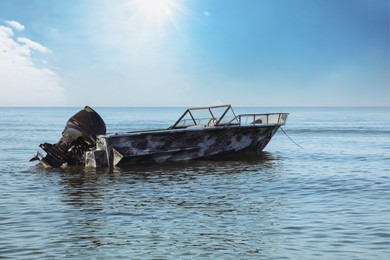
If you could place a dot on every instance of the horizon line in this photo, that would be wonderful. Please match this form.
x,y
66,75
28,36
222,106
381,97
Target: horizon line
x,y
322,106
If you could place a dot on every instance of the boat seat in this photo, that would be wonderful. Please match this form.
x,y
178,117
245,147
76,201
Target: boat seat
x,y
257,121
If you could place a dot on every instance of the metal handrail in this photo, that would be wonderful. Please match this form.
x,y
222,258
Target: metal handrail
x,y
267,118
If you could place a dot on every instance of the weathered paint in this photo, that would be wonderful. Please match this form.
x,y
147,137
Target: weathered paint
x,y
195,135
179,144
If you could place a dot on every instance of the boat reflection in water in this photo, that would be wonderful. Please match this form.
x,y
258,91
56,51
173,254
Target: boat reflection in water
x,y
200,133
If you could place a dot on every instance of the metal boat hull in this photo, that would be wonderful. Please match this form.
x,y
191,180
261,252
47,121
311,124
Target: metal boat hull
x,y
200,133
178,144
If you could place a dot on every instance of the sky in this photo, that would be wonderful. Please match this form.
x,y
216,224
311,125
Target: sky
x,y
194,53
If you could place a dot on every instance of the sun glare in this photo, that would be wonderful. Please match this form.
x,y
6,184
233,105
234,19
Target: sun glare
x,y
157,11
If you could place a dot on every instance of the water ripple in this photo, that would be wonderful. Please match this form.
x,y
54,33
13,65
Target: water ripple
x,y
328,201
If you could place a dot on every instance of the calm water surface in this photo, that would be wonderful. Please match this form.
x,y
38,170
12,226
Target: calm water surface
x,y
330,200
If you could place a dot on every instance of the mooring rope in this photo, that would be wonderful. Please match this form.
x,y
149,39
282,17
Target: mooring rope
x,y
291,139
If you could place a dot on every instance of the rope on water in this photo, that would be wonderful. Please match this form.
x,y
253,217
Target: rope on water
x,y
291,139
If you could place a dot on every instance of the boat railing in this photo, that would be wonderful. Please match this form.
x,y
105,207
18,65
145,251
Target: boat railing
x,y
193,122
224,116
240,120
257,119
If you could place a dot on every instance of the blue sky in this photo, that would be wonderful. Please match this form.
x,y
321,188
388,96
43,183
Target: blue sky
x,y
194,52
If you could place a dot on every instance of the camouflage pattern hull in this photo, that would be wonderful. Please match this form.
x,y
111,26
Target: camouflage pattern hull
x,y
200,133
178,145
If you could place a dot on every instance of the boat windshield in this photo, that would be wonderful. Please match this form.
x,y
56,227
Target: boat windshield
x,y
207,117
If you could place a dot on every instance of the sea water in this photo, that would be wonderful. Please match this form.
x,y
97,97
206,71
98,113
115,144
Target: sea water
x,y
329,200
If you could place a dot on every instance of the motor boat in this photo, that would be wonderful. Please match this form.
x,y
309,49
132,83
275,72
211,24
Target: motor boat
x,y
199,133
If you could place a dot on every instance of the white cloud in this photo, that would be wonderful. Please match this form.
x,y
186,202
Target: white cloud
x,y
205,13
22,82
6,31
33,45
15,25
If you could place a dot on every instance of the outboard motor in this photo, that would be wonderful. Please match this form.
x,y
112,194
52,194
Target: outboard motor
x,y
78,136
